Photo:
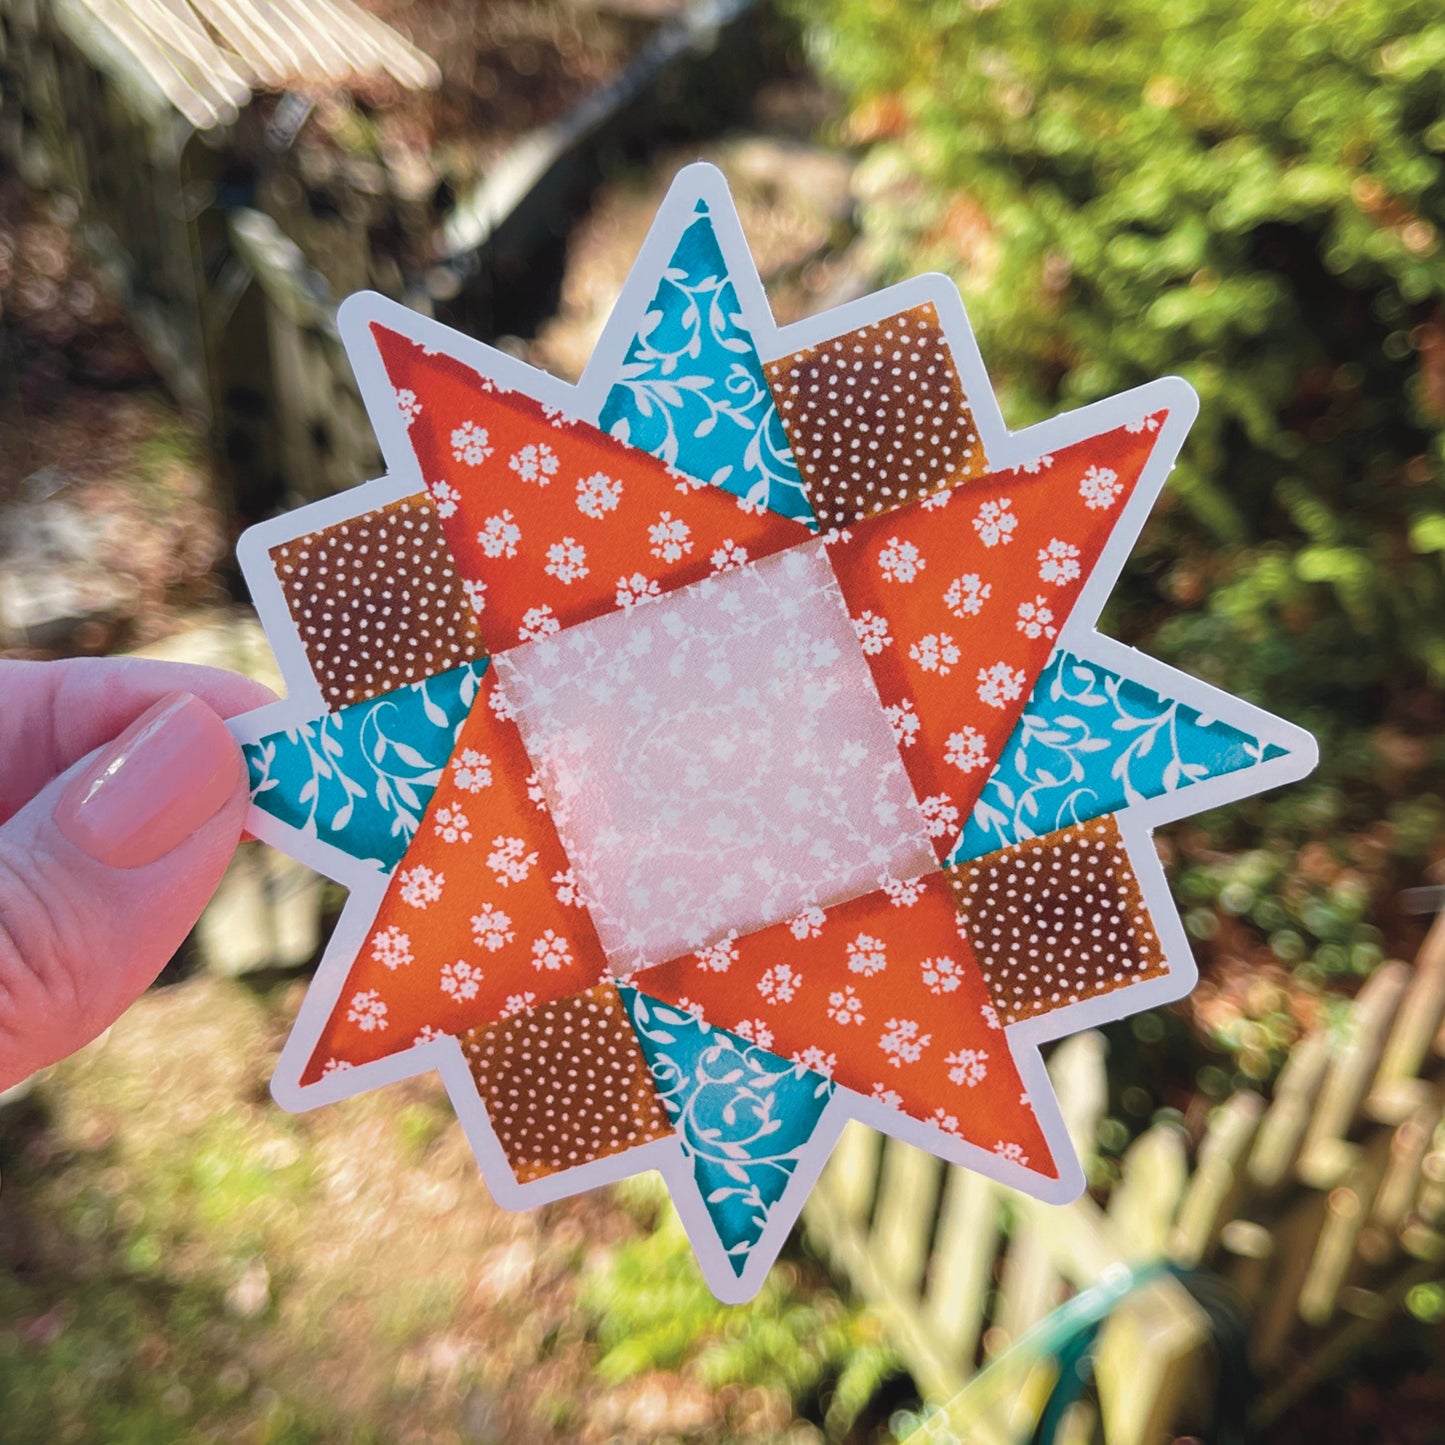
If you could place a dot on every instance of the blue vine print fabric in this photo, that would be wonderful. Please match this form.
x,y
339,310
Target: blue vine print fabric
x,y
691,390
743,1115
1091,742
361,777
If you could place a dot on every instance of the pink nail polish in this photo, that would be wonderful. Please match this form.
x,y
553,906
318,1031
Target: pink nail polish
x,y
146,793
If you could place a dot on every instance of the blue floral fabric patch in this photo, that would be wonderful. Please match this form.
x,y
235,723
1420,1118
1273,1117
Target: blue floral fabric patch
x,y
1091,742
361,777
692,390
743,1115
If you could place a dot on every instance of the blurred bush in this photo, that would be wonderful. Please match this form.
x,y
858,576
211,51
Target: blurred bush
x,y
1248,193
650,1311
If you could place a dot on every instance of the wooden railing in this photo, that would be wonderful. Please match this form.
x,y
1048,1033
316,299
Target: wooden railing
x,y
1320,1209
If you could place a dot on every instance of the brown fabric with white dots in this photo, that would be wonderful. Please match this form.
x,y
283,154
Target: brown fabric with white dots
x,y
877,417
565,1083
1056,920
377,601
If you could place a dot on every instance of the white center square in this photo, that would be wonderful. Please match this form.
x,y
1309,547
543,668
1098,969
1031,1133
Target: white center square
x,y
717,759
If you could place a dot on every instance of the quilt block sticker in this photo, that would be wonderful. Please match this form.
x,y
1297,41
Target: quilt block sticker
x,y
721,748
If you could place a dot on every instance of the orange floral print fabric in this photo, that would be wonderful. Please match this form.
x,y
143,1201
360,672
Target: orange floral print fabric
x,y
881,994
551,521
957,602
483,917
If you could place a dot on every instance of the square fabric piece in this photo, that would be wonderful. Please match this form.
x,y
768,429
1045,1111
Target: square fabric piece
x,y
377,601
1057,920
717,760
877,417
565,1084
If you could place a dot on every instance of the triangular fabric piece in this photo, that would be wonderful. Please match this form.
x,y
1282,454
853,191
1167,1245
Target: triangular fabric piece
x,y
957,599
1091,742
360,778
692,390
883,995
743,1115
549,520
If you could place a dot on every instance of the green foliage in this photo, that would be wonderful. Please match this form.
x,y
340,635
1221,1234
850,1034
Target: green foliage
x,y
651,1310
1322,928
1251,194
1245,192
129,1353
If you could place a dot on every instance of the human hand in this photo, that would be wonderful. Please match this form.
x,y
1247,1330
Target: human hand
x,y
122,797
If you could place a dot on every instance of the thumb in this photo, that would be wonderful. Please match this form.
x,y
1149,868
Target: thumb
x,y
105,871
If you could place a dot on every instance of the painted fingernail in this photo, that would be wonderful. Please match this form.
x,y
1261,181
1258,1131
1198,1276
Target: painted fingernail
x,y
166,775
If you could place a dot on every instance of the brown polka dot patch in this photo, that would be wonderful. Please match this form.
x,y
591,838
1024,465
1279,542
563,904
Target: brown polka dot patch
x,y
377,601
1056,920
877,417
565,1083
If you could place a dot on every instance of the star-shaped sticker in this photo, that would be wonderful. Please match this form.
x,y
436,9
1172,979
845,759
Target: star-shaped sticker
x,y
721,748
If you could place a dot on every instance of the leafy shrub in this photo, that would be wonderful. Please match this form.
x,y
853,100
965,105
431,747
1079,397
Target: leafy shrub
x,y
1248,193
651,1311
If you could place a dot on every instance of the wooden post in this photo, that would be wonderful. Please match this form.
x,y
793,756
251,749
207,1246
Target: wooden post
x,y
1032,1285
1323,1160
1413,1038
969,1229
1145,1202
1219,1180
1282,1133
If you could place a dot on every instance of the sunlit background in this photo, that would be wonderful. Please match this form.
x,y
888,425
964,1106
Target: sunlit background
x,y
1248,193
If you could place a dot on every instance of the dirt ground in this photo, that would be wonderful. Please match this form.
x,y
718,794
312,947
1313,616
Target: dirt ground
x,y
181,1260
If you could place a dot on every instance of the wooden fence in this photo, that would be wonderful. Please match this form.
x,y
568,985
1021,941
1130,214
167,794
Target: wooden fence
x,y
172,189
1319,1211
230,246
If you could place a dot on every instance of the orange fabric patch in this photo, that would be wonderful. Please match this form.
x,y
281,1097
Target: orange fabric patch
x,y
377,601
1058,919
877,417
957,601
482,918
566,1084
883,995
553,520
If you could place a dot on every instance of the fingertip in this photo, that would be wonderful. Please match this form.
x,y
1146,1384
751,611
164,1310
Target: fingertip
x,y
171,771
